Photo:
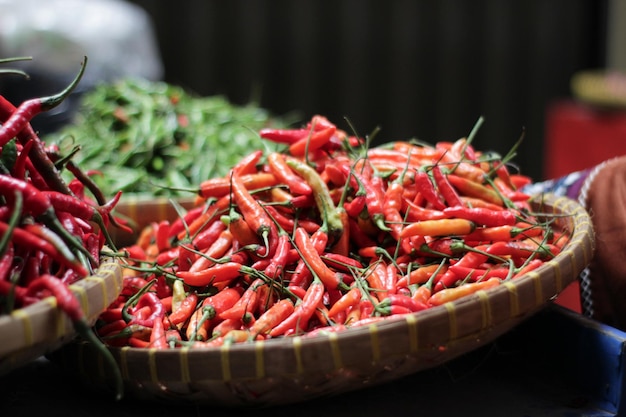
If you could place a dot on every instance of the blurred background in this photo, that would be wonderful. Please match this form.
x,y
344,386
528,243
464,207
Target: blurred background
x,y
413,68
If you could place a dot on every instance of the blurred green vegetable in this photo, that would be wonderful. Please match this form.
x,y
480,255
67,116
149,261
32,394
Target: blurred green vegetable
x,y
154,138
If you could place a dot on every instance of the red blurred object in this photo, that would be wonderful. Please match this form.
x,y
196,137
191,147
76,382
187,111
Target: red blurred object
x,y
579,136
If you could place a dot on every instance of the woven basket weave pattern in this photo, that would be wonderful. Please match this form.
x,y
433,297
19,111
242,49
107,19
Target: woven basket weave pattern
x,y
292,369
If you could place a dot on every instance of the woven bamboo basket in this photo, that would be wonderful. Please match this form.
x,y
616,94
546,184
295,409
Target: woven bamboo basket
x,y
140,211
40,328
294,369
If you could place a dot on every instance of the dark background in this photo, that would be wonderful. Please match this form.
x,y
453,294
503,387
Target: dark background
x,y
416,69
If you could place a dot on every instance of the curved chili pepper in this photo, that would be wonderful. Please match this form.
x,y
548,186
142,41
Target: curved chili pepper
x,y
347,300
331,219
157,336
447,191
37,203
217,249
314,261
284,173
246,303
184,311
210,309
84,210
298,320
21,162
41,169
207,235
279,260
30,108
278,312
427,189
248,164
219,272
472,258
258,219
154,304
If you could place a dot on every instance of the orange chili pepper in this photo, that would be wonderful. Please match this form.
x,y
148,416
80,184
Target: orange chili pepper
x,y
451,294
439,227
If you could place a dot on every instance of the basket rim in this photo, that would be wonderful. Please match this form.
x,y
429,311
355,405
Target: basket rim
x,y
581,237
42,327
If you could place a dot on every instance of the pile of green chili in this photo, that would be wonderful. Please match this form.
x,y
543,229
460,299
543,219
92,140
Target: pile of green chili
x,y
152,138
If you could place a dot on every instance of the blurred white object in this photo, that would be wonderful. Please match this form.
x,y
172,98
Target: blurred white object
x,y
116,36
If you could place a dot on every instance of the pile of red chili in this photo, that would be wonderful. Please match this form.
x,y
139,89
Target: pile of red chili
x,y
51,231
328,234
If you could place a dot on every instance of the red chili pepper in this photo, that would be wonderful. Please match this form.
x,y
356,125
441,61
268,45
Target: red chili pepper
x,y
153,303
21,162
375,278
215,210
341,246
347,300
157,336
216,250
36,203
530,266
258,219
248,164
447,191
219,272
400,300
316,140
30,108
247,303
478,274
523,249
284,173
50,246
207,315
483,216
288,223
277,313
184,311
472,258
279,261
286,136
304,310
43,172
314,260
341,262
224,327
427,189
416,213
179,224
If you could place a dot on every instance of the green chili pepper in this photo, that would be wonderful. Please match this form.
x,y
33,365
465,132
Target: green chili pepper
x,y
155,138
